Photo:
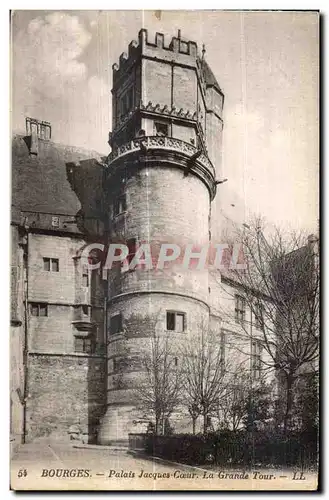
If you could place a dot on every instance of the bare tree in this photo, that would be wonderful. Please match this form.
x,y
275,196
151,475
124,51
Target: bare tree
x,y
280,287
203,375
232,407
160,386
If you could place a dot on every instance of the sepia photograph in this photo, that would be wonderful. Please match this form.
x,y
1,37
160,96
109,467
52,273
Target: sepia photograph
x,y
165,250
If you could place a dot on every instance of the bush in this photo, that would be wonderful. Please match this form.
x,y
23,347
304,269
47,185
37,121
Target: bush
x,y
236,449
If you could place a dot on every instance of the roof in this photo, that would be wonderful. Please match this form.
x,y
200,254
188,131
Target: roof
x,y
209,76
39,182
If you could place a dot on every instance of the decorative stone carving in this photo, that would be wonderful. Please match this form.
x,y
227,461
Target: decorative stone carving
x,y
169,143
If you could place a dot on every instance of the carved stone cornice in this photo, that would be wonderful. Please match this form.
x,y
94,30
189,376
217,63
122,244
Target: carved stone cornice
x,y
158,151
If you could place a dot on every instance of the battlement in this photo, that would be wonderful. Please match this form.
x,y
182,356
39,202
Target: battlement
x,y
176,48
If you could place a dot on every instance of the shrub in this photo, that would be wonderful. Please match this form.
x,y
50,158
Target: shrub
x,y
236,448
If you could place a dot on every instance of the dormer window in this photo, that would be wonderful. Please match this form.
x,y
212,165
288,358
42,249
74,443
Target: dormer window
x,y
161,129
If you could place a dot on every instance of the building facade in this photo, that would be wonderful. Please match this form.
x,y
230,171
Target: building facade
x,y
77,335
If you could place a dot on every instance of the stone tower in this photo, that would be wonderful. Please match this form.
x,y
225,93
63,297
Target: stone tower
x,y
160,182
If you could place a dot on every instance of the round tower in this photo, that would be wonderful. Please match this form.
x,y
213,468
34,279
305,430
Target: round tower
x,y
160,182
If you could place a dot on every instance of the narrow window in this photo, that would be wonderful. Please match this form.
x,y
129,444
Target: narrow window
x,y
116,324
259,315
240,309
85,310
176,361
161,129
175,321
85,279
46,264
222,347
256,359
179,322
170,321
54,265
34,309
119,205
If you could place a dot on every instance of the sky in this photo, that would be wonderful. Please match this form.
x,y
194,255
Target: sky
x,y
266,63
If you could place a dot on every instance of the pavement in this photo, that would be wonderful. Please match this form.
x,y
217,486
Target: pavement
x,y
61,466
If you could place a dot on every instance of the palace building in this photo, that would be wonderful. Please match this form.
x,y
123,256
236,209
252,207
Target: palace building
x,y
76,334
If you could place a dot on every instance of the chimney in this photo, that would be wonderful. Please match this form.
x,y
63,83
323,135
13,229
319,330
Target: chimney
x,y
36,130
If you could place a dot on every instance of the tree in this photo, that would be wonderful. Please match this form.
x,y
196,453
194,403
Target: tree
x,y
203,375
233,405
280,287
257,408
244,405
160,385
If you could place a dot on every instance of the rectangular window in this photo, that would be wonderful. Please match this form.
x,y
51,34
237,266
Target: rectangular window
x,y
85,310
175,321
161,129
240,309
120,205
84,345
39,309
46,264
259,315
222,347
85,279
50,264
116,324
256,359
54,265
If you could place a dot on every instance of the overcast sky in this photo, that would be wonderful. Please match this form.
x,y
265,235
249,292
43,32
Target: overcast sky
x,y
266,64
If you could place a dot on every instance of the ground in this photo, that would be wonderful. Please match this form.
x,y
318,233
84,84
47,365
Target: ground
x,y
106,468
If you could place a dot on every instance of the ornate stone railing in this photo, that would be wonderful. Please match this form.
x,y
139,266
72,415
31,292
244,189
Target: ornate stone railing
x,y
158,142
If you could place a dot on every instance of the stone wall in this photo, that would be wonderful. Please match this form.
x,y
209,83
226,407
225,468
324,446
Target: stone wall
x,y
64,391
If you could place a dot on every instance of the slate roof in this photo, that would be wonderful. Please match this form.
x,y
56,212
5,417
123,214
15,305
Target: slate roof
x,y
40,183
209,76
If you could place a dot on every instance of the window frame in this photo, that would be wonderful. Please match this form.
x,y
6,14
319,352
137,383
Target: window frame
x,y
49,262
120,207
256,359
85,308
161,124
88,344
258,315
239,308
85,274
39,306
176,313
120,325
222,347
